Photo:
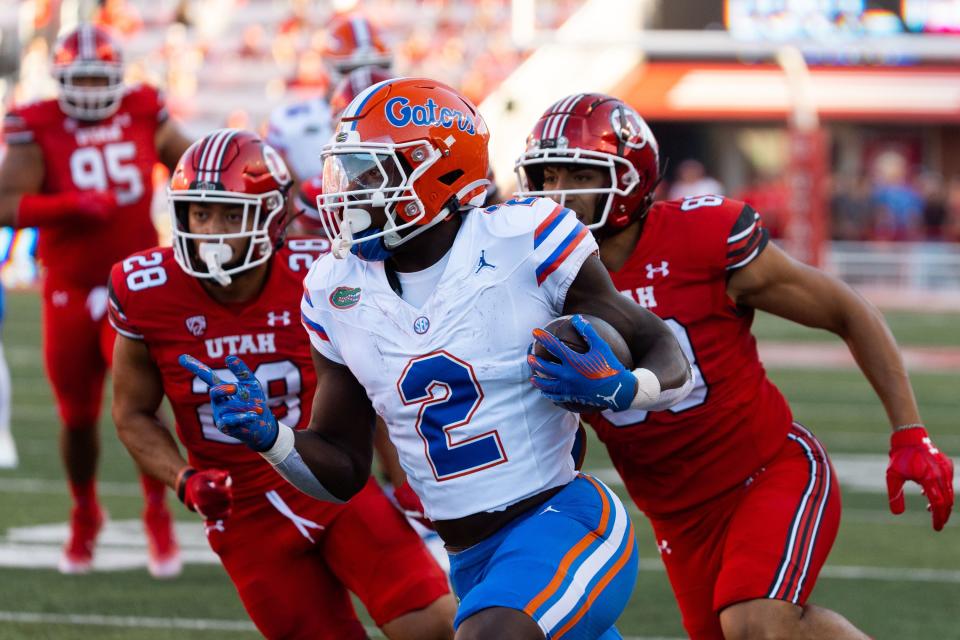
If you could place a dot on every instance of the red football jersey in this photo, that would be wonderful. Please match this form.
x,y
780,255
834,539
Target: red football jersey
x,y
152,299
116,154
735,419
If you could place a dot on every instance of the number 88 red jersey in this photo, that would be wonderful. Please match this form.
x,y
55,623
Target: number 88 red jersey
x,y
115,154
153,300
735,419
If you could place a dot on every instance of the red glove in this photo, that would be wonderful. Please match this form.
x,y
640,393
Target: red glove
x,y
410,504
42,210
913,456
207,492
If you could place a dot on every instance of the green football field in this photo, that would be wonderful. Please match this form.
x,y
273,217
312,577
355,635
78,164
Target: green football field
x,y
892,576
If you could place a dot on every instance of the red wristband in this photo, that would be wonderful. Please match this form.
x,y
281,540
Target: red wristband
x,y
44,209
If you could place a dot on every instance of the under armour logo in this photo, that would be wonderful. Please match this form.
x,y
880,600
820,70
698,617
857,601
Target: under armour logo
x,y
663,269
611,400
483,263
663,547
549,509
208,528
274,319
60,298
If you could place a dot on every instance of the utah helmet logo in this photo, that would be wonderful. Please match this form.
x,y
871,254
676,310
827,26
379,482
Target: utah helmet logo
x,y
345,297
276,165
631,128
196,325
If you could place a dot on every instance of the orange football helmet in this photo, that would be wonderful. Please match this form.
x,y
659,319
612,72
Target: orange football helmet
x,y
88,52
352,85
235,167
415,148
352,42
598,131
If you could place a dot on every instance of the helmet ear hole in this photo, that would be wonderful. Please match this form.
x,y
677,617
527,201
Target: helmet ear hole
x,y
450,177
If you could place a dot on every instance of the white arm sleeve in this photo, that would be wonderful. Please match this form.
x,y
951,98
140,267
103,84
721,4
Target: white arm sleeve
x,y
286,460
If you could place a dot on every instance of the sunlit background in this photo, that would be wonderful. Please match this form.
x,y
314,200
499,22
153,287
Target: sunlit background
x,y
839,120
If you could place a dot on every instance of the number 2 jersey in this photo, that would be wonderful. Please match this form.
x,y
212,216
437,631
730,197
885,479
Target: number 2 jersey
x,y
115,154
153,300
450,378
735,419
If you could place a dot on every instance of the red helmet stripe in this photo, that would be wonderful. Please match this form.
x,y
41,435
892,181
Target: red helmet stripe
x,y
552,128
218,165
204,166
566,116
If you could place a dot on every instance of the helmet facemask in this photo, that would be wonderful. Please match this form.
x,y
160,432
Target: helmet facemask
x,y
86,102
623,177
209,255
360,179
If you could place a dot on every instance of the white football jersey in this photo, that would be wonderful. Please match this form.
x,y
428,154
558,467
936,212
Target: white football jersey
x,y
450,378
299,132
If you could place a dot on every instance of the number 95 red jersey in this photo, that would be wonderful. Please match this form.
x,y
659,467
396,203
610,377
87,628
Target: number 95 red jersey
x,y
153,300
114,154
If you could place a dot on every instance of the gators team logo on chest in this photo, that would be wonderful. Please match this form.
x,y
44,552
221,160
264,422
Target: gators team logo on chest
x,y
345,297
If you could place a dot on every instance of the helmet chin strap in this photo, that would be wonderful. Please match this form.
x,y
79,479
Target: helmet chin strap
x,y
215,255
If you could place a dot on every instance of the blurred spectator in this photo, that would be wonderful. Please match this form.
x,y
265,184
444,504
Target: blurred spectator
x,y
692,180
252,44
118,16
951,227
898,206
934,194
850,208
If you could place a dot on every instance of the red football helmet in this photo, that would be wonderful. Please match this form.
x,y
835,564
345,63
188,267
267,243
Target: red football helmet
x,y
594,130
352,41
415,148
229,166
351,86
88,52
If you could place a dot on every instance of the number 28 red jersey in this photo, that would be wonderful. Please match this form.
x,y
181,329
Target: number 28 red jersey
x,y
153,300
735,419
116,154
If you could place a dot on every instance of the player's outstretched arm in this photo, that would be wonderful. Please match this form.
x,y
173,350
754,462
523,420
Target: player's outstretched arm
x,y
662,370
776,283
331,459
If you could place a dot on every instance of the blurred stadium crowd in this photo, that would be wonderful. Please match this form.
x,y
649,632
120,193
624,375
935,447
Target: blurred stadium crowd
x,y
231,62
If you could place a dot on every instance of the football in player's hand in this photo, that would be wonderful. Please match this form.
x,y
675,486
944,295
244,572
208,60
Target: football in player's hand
x,y
564,330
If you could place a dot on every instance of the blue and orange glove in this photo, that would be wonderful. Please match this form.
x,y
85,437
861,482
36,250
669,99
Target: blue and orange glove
x,y
913,456
239,409
208,492
594,379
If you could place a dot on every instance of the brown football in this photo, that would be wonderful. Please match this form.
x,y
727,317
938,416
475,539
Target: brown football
x,y
564,330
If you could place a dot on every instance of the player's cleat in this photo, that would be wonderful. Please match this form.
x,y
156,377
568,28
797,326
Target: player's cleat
x,y
85,525
8,451
163,554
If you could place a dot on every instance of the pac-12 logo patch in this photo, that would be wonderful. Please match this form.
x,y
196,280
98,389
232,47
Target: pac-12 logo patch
x,y
196,325
345,297
421,325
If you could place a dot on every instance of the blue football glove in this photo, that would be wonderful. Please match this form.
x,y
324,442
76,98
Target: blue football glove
x,y
594,379
239,410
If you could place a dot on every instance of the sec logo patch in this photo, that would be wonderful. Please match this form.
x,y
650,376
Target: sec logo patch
x,y
421,325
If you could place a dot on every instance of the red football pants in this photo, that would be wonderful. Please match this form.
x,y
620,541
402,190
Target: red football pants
x,y
293,560
767,538
77,351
